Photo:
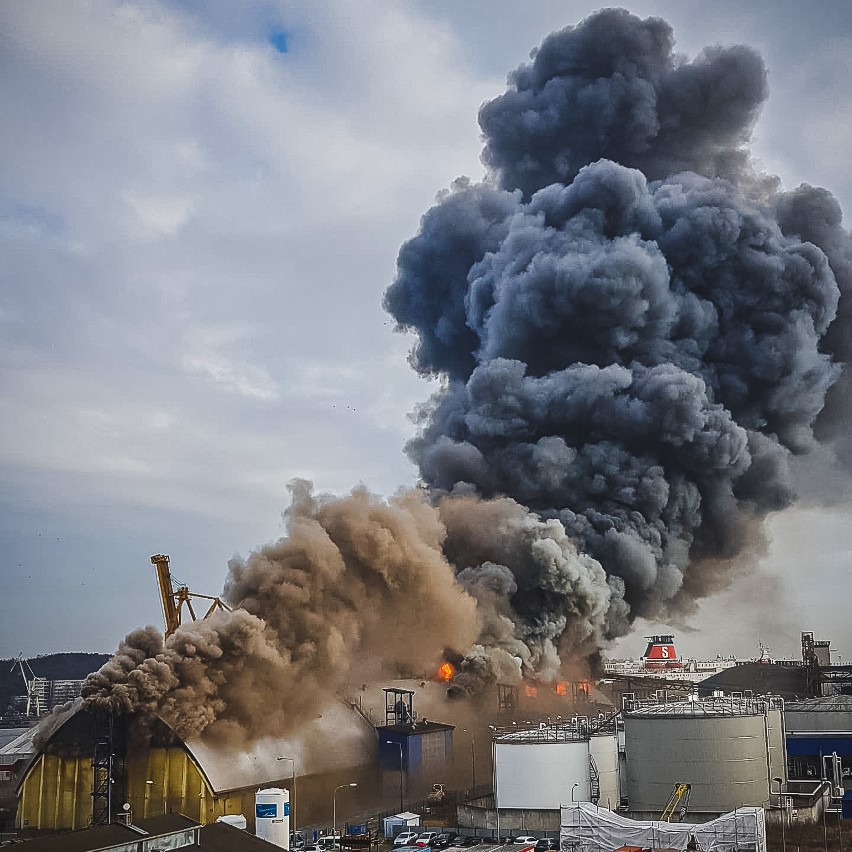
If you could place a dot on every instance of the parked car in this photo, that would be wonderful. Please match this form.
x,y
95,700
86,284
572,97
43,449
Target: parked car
x,y
405,838
426,838
525,840
443,840
547,844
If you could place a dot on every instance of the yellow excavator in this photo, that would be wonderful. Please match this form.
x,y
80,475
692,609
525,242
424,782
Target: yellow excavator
x,y
174,597
677,804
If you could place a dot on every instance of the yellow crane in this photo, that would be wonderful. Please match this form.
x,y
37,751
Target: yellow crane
x,y
174,597
677,804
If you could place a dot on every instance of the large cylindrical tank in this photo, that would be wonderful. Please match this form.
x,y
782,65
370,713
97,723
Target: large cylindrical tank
x,y
603,749
272,816
719,748
539,774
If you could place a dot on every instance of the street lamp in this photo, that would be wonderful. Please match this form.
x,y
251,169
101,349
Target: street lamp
x,y
293,803
334,810
780,782
573,788
401,795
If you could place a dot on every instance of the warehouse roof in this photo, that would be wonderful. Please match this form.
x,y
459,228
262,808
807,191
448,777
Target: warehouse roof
x,y
104,837
19,748
230,765
218,837
760,678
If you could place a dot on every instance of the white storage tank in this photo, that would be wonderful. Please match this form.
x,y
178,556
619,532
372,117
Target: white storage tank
x,y
541,769
272,816
603,750
719,746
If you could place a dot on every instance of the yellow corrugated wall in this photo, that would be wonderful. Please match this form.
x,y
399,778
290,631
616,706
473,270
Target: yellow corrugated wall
x,y
57,790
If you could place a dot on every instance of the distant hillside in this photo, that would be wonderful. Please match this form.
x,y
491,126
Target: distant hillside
x,y
71,666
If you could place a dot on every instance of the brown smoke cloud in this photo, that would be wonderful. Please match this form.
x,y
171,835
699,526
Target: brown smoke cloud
x,y
309,610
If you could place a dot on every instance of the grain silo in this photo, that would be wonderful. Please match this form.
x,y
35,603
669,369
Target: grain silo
x,y
727,749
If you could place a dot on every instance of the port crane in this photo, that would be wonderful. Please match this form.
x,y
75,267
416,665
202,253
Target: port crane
x,y
677,804
32,683
173,597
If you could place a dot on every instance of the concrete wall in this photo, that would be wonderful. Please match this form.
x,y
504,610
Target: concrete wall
x,y
511,821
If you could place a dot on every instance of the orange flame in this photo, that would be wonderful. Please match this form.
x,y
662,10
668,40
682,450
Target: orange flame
x,y
530,691
561,688
446,671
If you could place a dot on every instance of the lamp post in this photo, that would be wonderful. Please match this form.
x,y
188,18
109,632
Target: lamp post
x,y
780,782
575,785
293,803
401,794
334,809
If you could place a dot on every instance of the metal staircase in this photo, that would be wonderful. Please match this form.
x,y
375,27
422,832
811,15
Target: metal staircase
x,y
594,781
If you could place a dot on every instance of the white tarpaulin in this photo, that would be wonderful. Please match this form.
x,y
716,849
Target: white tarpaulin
x,y
586,828
744,828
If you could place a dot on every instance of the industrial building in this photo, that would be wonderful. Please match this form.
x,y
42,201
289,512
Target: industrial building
x,y
413,752
818,729
67,786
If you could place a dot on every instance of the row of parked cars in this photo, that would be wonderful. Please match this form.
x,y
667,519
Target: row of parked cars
x,y
411,841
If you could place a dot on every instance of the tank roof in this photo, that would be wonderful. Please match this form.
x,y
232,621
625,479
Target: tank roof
x,y
702,708
827,704
547,735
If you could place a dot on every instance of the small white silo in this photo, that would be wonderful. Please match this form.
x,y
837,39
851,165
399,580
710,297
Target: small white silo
x,y
603,754
272,816
542,768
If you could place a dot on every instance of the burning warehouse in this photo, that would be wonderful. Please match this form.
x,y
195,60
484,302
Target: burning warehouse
x,y
636,332
88,764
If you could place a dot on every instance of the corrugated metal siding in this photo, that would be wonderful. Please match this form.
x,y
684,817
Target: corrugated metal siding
x,y
56,792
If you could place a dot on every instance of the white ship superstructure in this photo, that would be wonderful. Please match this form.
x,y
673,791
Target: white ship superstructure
x,y
661,660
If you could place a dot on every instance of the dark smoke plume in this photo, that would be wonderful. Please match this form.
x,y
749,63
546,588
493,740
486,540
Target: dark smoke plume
x,y
636,330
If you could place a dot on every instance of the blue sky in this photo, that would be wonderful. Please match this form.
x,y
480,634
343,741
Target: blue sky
x,y
200,208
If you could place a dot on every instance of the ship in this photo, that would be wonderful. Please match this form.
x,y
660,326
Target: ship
x,y
662,660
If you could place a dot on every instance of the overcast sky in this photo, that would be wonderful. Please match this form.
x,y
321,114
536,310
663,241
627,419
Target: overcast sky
x,y
201,205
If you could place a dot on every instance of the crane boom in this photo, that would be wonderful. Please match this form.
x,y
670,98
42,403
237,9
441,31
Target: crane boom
x,y
167,595
677,803
173,598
